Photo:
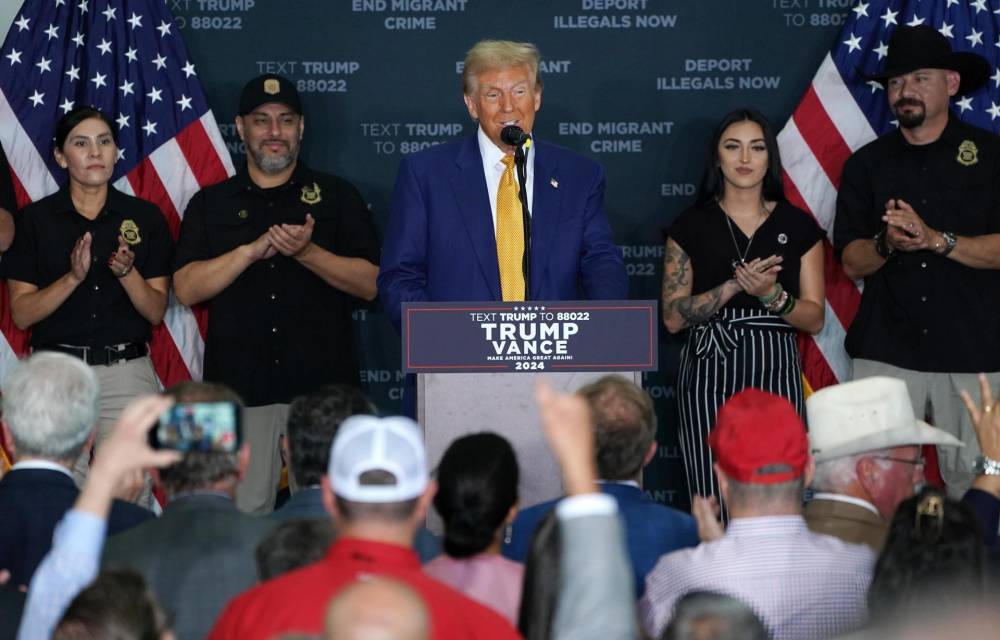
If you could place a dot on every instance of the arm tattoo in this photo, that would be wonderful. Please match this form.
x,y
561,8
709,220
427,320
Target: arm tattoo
x,y
676,275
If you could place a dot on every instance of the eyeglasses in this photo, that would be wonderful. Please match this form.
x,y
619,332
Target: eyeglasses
x,y
917,462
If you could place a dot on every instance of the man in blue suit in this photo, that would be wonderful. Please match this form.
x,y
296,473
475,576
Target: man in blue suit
x,y
50,407
624,437
441,242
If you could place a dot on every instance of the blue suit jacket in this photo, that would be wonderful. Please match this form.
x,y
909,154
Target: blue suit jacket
x,y
32,502
440,244
651,529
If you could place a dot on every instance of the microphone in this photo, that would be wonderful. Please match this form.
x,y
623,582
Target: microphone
x,y
514,135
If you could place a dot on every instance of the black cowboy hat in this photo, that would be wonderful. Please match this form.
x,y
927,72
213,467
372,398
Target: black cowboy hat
x,y
923,47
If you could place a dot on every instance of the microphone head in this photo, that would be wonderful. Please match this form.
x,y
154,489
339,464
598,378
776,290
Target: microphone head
x,y
513,135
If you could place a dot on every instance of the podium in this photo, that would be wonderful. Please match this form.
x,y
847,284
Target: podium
x,y
477,363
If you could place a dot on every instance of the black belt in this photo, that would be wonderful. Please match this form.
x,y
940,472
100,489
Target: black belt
x,y
96,356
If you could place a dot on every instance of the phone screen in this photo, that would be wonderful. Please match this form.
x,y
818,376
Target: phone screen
x,y
199,426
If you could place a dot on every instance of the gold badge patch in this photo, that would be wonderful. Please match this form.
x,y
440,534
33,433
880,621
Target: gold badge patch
x,y
130,231
968,153
271,87
310,195
242,214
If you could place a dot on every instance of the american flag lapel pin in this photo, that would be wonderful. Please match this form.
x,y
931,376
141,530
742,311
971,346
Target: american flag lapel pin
x,y
554,183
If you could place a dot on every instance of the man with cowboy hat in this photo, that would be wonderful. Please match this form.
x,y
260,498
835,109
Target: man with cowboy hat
x,y
918,219
866,442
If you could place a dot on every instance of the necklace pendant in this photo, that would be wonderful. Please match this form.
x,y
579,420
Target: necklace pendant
x,y
738,262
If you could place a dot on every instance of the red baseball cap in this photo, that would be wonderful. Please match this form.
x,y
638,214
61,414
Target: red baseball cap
x,y
759,439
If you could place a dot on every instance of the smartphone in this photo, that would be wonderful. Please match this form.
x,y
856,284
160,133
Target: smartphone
x,y
199,426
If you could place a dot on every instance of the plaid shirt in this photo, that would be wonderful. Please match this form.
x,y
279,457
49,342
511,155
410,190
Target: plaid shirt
x,y
801,584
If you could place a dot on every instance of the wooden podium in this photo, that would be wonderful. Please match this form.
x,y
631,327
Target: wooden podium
x,y
477,363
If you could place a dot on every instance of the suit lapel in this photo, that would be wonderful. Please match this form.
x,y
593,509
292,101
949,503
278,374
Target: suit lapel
x,y
546,207
472,197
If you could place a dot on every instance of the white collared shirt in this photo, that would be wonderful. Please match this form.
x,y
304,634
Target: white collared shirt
x,y
493,168
38,463
839,497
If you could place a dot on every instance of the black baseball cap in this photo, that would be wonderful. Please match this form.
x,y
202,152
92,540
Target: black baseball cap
x,y
267,88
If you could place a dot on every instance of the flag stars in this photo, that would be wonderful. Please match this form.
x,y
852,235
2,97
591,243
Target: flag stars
x,y
22,24
149,128
882,50
862,9
78,39
853,43
946,28
184,103
105,46
109,13
164,28
889,17
131,54
14,56
122,120
73,72
978,5
52,31
99,80
950,2
126,88
965,104
874,85
994,111
67,105
135,21
915,22
154,95
160,61
82,6
44,65
121,154
188,69
36,99
974,38
996,77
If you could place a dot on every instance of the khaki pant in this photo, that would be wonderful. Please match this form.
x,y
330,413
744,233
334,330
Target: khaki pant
x,y
120,384
936,395
263,428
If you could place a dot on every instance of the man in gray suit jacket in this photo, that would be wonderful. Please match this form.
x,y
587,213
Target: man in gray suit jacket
x,y
200,552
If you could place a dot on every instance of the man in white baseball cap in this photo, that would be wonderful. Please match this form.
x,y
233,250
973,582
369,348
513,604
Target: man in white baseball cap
x,y
866,442
377,490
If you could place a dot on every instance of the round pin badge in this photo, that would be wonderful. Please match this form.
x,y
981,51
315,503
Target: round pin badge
x,y
782,238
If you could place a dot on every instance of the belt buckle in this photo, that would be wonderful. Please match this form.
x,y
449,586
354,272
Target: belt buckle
x,y
115,349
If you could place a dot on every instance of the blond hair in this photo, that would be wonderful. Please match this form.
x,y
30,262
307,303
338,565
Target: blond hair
x,y
498,54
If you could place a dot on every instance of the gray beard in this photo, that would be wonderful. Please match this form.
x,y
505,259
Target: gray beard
x,y
272,165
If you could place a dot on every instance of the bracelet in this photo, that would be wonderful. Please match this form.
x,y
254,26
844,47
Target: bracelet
x,y
787,308
125,272
779,302
985,466
949,243
881,246
771,297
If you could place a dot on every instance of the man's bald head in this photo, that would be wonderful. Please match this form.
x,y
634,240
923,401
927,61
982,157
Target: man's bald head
x,y
377,609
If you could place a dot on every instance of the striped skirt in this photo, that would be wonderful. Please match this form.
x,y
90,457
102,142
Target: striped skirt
x,y
735,349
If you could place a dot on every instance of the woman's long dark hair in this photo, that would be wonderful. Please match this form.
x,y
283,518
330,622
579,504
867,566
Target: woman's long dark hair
x,y
713,184
541,581
477,486
932,560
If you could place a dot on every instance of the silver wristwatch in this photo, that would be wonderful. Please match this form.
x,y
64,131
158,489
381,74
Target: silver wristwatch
x,y
949,242
984,466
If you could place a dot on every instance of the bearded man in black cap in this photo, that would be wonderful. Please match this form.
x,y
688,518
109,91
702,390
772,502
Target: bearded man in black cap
x,y
918,218
279,252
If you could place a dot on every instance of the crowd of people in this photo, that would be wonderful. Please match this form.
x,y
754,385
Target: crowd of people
x,y
795,532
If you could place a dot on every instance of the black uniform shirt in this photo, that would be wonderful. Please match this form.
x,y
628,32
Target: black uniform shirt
x,y
922,311
98,312
278,330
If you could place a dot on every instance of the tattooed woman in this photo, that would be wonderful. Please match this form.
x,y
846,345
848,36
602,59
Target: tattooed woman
x,y
743,271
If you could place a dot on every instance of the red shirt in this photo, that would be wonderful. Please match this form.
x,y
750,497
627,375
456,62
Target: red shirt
x,y
296,602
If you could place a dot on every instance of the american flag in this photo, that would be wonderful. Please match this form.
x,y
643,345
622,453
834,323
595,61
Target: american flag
x,y
126,58
842,112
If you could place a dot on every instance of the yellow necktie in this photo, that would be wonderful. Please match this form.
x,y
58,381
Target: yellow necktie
x,y
510,235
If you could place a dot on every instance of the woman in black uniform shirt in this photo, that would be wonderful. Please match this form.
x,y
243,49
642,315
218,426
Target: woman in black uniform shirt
x,y
743,270
89,269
